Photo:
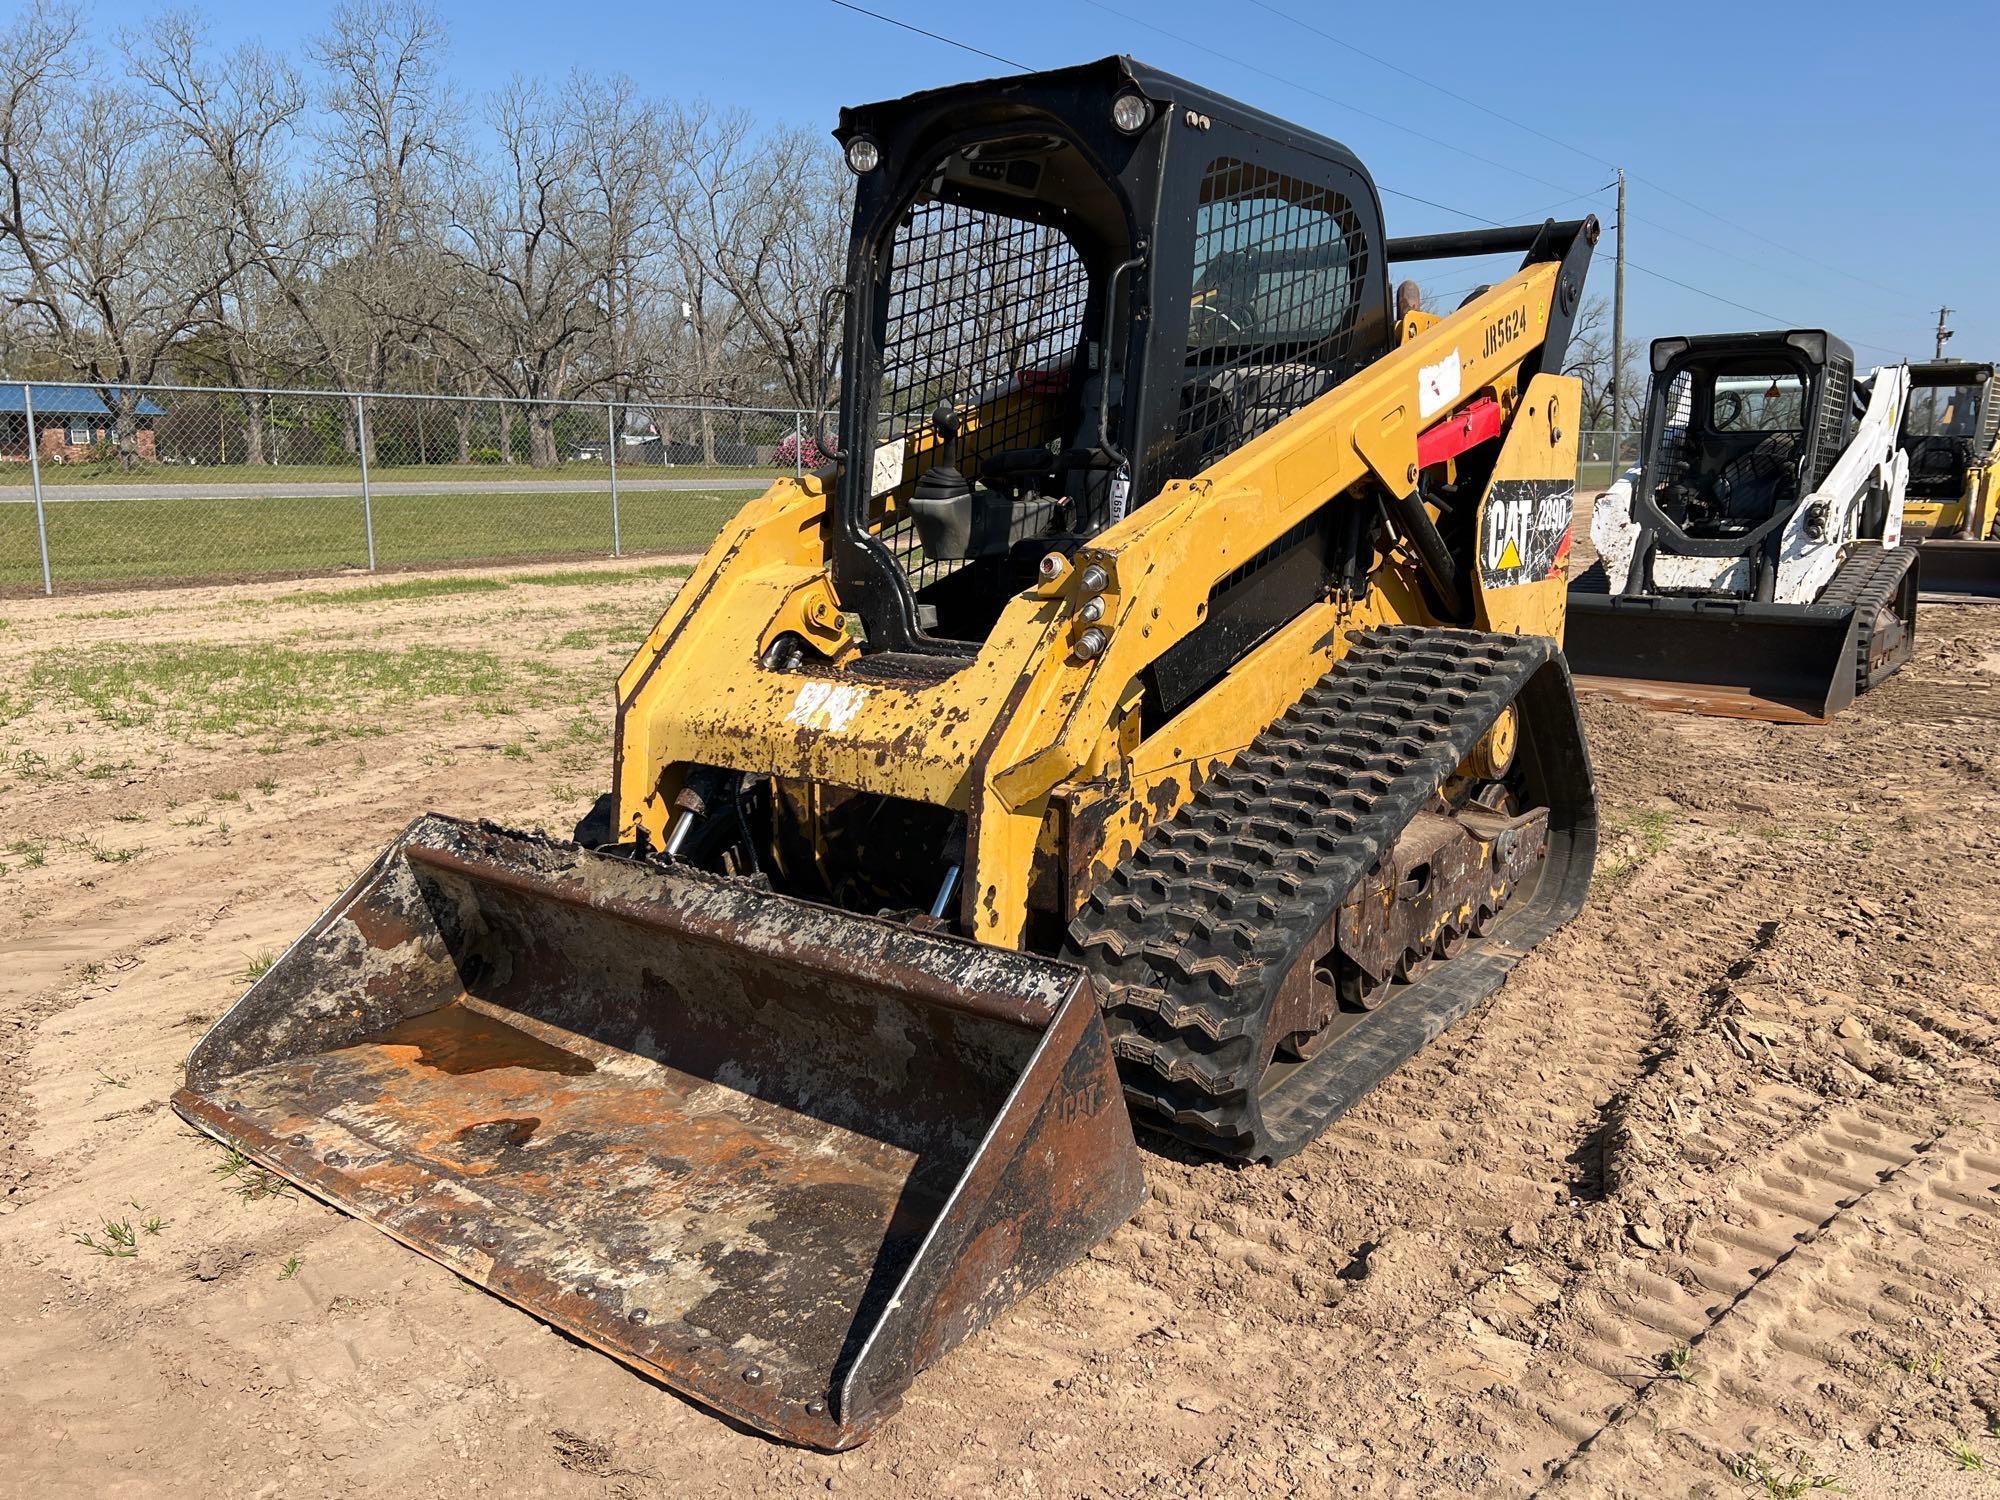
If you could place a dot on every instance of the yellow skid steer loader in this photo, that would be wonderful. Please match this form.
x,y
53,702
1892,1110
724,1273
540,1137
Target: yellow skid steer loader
x,y
1157,711
1951,510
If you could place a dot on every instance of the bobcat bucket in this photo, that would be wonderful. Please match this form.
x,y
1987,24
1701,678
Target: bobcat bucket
x,y
1960,572
1788,663
774,1155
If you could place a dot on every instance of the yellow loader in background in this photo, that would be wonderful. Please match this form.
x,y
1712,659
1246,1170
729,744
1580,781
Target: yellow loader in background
x,y
1157,713
1951,433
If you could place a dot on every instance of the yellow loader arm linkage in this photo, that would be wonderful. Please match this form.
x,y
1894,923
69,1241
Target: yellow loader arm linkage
x,y
981,741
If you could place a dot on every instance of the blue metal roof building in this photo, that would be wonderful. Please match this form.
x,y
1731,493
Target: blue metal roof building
x,y
68,401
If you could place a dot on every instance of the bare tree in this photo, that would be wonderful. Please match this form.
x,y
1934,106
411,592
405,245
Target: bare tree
x,y
758,228
237,218
236,117
520,242
389,144
1589,359
620,221
101,245
782,241
706,162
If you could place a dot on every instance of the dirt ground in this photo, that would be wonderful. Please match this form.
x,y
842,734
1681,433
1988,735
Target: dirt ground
x,y
1705,1202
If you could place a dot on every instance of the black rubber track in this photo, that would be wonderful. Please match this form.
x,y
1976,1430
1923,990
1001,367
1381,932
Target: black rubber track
x,y
1195,932
1870,580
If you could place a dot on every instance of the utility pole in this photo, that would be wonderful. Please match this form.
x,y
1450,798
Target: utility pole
x,y
1943,333
1618,323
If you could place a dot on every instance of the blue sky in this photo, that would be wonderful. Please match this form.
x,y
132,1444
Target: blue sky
x,y
1844,158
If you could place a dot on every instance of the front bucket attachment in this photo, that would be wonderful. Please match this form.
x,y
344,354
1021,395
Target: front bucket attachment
x,y
1959,572
778,1156
1789,663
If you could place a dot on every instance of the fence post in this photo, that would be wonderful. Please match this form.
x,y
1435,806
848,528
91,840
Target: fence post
x,y
798,445
35,478
611,453
367,500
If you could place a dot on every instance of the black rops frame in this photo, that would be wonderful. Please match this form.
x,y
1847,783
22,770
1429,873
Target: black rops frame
x,y
1668,356
1154,173
1206,129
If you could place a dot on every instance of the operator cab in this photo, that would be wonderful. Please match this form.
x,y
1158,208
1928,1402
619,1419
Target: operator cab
x,y
1733,445
1740,429
1951,420
1063,292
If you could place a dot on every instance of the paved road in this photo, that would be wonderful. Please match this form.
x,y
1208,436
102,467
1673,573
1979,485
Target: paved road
x,y
146,490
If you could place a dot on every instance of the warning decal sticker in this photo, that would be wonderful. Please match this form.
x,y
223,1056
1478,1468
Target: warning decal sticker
x,y
1524,530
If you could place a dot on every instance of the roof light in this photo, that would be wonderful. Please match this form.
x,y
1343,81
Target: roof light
x,y
863,156
1129,113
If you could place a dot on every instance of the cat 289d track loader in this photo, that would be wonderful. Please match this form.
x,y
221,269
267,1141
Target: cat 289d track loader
x,y
1951,433
1749,566
1158,711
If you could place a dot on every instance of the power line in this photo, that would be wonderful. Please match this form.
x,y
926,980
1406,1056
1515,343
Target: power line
x,y
863,10
1766,239
1542,213
1381,187
1320,94
1540,134
1756,312
1394,67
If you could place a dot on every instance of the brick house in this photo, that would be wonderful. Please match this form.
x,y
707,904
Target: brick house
x,y
70,422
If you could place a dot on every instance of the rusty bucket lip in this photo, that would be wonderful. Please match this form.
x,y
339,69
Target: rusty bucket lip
x,y
1058,1009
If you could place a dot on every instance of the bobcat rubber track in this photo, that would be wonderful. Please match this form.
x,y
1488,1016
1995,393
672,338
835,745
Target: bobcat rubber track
x,y
1868,581
1195,932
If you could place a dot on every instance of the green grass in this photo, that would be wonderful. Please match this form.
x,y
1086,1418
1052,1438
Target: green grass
x,y
1788,1479
402,590
246,1179
273,690
115,541
55,476
598,577
119,1242
601,638
1649,829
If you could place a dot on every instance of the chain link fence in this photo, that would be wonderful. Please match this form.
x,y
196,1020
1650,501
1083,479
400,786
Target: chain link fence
x,y
1603,454
183,484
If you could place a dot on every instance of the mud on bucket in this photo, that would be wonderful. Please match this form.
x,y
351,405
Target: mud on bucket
x,y
776,1155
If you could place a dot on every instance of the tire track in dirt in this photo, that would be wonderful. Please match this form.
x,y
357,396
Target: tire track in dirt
x,y
1505,1124
1796,1259
1628,1328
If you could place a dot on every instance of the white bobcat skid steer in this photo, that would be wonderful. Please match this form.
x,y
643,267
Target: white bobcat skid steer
x,y
1750,565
